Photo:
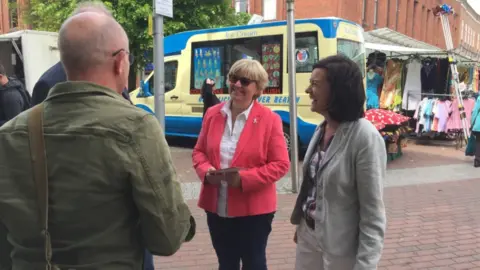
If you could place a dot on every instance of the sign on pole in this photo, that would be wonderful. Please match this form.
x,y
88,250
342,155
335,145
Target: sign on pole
x,y
161,8
164,8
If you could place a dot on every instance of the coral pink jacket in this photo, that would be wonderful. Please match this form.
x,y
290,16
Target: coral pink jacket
x,y
261,153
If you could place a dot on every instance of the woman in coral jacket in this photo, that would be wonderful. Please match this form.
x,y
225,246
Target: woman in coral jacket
x,y
240,154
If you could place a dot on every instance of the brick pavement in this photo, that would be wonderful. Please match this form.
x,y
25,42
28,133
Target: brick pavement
x,y
415,156
430,226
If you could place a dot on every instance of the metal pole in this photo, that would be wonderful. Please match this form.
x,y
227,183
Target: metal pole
x,y
158,62
293,94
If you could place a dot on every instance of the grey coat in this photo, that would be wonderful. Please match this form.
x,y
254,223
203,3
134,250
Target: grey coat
x,y
351,213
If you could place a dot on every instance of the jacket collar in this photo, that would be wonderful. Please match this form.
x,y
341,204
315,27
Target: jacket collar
x,y
340,139
75,88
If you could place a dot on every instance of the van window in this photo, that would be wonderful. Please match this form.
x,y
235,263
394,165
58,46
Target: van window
x,y
353,50
214,59
208,63
306,51
171,68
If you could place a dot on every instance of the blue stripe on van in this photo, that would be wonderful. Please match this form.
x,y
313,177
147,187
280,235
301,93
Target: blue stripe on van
x,y
175,43
305,130
189,126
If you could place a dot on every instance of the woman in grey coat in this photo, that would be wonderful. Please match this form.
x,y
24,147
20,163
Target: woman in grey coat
x,y
339,213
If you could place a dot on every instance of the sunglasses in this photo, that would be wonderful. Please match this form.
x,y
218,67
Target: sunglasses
x,y
243,81
131,58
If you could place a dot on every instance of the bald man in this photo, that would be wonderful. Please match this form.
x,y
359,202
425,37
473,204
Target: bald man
x,y
56,74
112,186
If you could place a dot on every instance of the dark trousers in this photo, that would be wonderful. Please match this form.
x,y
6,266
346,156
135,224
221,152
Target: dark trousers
x,y
240,239
477,149
148,261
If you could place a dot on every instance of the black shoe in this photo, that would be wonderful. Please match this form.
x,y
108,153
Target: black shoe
x,y
476,163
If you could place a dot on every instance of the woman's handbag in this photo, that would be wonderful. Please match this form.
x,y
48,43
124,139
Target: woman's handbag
x,y
471,145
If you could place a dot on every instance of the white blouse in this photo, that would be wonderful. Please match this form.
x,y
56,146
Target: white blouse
x,y
228,145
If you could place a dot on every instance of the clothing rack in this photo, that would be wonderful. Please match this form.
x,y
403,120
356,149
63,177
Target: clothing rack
x,y
427,94
458,134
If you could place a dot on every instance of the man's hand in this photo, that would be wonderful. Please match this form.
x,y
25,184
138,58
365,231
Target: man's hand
x,y
295,237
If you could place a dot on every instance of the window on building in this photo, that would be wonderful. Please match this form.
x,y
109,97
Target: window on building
x,y
353,50
13,13
241,6
306,51
269,10
214,59
171,68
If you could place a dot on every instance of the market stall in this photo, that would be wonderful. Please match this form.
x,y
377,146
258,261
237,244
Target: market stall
x,y
412,78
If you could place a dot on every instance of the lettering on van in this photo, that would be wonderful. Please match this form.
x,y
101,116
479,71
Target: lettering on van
x,y
262,99
241,34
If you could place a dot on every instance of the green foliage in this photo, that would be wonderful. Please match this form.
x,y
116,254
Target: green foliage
x,y
48,15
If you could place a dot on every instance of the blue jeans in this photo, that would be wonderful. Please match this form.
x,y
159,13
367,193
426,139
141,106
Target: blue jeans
x,y
148,261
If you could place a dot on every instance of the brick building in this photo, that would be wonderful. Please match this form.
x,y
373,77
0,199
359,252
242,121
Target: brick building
x,y
413,18
11,15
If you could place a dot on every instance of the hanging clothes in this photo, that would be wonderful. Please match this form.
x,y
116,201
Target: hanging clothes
x,y
454,122
443,78
392,85
442,112
413,86
475,80
469,104
373,81
419,113
428,75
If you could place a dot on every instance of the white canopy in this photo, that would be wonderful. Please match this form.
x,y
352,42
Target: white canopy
x,y
395,48
397,44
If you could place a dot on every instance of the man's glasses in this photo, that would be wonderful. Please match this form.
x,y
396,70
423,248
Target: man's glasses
x,y
243,81
131,58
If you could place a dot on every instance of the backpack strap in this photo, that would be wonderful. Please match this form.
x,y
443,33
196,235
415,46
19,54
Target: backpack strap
x,y
40,175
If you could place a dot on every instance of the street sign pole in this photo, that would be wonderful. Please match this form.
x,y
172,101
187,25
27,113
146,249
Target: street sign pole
x,y
161,8
292,94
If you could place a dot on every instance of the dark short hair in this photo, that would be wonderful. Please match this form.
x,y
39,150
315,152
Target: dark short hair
x,y
347,92
2,70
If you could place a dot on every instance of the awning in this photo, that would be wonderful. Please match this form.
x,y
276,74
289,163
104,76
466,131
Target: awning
x,y
395,48
18,34
399,45
11,36
390,37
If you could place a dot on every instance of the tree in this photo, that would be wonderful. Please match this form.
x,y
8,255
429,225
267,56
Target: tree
x,y
133,15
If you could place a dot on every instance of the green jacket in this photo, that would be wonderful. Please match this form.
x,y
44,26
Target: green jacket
x,y
113,187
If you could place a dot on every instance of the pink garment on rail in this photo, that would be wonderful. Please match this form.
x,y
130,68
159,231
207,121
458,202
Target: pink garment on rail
x,y
454,122
469,104
442,111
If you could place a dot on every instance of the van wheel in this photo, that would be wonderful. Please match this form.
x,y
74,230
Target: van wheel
x,y
286,135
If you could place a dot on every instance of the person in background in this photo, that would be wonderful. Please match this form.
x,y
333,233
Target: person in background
x,y
112,187
56,74
339,212
475,130
208,95
14,99
239,156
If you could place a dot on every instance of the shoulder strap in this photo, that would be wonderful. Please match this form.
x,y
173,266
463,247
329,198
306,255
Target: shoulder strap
x,y
40,175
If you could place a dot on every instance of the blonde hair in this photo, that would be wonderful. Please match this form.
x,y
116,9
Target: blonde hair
x,y
252,70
